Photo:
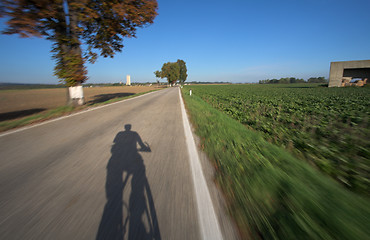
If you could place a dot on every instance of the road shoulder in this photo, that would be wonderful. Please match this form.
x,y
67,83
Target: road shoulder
x,y
225,223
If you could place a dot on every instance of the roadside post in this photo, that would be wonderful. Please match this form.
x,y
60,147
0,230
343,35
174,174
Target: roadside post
x,y
76,94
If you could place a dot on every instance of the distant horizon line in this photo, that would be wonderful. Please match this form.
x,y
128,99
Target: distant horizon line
x,y
87,83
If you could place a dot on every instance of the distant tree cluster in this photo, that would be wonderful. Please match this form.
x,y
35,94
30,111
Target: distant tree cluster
x,y
173,71
317,80
293,80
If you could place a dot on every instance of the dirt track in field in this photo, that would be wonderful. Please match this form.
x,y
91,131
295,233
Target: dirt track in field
x,y
37,100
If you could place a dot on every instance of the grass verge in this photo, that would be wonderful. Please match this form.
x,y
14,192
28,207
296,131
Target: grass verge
x,y
56,112
270,193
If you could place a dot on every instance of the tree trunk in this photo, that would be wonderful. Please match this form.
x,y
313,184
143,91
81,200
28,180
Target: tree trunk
x,y
75,50
69,99
70,63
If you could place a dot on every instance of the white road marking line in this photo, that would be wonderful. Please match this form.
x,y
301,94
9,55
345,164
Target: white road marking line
x,y
209,226
60,118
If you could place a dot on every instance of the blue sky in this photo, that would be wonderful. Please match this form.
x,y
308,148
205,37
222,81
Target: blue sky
x,y
234,40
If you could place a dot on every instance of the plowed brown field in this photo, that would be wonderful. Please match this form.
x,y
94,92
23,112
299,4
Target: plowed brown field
x,y
43,99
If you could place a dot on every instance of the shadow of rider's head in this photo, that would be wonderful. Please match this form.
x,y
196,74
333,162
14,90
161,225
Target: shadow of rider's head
x,y
128,127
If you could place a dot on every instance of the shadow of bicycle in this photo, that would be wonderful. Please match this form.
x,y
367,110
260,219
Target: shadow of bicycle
x,y
137,219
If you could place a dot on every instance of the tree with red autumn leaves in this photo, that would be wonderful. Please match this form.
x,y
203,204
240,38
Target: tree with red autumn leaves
x,y
69,24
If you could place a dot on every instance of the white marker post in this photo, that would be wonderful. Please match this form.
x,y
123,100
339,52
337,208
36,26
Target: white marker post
x,y
76,93
190,92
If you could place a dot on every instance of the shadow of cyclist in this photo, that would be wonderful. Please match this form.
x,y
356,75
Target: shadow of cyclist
x,y
138,217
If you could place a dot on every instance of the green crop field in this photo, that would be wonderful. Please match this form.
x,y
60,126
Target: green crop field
x,y
291,160
328,127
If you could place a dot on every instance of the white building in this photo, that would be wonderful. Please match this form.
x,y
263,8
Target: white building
x,y
128,80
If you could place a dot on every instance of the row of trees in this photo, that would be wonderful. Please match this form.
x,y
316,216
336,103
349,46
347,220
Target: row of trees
x,y
173,71
294,80
98,25
317,80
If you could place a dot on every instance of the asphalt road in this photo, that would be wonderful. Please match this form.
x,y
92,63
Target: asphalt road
x,y
118,172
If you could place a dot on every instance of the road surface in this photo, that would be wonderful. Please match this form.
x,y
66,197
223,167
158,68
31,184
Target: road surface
x,y
118,172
